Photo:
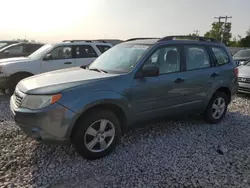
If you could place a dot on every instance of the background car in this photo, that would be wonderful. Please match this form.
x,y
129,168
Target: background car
x,y
66,54
4,43
244,78
19,50
242,57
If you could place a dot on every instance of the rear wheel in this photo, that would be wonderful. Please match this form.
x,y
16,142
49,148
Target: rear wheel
x,y
217,108
97,135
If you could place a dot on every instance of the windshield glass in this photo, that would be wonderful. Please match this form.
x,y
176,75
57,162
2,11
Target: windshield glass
x,y
242,53
41,51
120,59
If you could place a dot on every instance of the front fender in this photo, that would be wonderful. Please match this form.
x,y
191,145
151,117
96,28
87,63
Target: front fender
x,y
79,104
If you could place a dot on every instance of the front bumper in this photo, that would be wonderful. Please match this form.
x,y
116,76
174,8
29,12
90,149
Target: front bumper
x,y
49,125
244,88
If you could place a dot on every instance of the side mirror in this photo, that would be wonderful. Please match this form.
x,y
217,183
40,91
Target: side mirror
x,y
148,71
6,52
47,57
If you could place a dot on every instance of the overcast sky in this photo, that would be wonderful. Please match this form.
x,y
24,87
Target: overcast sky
x,y
55,20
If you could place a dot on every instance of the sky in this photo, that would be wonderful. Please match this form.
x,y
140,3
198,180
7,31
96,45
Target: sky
x,y
56,20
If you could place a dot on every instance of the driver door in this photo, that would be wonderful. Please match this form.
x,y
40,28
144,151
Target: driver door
x,y
61,58
156,96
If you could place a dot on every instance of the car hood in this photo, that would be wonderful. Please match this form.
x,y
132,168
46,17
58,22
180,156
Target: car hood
x,y
244,71
57,81
241,58
13,60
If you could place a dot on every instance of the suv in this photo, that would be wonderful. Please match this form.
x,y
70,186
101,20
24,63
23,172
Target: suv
x,y
4,43
134,81
19,50
48,58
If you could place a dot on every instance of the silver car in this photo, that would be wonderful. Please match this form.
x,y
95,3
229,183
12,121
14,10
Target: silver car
x,y
244,78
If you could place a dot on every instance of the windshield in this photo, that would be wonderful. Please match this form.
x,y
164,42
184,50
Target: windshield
x,y
119,59
242,53
41,51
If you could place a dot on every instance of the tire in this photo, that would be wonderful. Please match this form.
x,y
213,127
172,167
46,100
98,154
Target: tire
x,y
210,111
82,138
15,79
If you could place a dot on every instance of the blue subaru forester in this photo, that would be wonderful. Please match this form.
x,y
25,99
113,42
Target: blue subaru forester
x,y
141,78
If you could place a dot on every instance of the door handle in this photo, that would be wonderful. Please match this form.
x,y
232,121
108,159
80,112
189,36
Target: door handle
x,y
214,74
68,63
179,80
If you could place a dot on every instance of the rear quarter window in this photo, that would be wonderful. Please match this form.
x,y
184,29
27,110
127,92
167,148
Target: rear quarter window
x,y
221,55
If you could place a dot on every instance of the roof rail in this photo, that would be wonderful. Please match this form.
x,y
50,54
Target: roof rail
x,y
85,41
140,39
205,39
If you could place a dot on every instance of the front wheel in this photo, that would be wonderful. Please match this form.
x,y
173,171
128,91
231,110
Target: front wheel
x,y
217,108
97,134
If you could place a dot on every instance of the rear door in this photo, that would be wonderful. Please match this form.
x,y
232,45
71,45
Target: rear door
x,y
84,55
197,76
62,57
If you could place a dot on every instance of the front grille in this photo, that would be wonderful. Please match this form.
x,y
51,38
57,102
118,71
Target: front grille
x,y
244,80
18,97
244,89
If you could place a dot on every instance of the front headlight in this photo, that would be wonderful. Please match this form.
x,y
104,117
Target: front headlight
x,y
39,101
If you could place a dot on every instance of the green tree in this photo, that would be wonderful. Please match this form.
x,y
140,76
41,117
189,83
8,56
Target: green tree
x,y
248,32
245,42
217,32
193,35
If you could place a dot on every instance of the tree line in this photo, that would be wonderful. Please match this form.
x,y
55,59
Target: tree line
x,y
223,33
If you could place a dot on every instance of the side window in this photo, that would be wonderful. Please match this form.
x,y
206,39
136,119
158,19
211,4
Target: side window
x,y
85,51
167,59
62,52
16,50
220,55
196,57
103,48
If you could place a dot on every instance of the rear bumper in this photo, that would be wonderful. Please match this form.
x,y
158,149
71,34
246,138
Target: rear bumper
x,y
48,125
244,88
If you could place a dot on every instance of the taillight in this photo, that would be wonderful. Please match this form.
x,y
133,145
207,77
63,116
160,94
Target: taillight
x,y
236,72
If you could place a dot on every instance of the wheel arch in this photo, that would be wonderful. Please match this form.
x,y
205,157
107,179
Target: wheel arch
x,y
225,90
115,108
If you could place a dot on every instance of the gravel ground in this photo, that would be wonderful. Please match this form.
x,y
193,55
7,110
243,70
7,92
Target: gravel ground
x,y
184,153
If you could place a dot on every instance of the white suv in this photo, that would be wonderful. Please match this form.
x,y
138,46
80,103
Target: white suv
x,y
70,53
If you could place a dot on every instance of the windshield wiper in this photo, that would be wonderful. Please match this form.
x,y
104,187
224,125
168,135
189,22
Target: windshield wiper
x,y
98,70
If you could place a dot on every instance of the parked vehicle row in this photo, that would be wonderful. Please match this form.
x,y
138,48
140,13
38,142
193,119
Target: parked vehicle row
x,y
4,43
20,49
92,106
48,58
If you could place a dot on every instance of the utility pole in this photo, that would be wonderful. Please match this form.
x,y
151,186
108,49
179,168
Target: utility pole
x,y
196,32
225,22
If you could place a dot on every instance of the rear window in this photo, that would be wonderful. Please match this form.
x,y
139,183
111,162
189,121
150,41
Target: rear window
x,y
220,55
103,48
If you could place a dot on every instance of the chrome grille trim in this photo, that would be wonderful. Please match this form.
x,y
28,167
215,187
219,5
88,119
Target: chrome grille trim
x,y
244,80
18,97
